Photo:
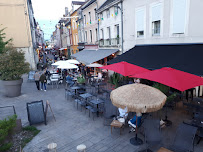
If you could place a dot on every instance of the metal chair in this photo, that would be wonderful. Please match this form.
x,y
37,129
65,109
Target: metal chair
x,y
184,139
152,133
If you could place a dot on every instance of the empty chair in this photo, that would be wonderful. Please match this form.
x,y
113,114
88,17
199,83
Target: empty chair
x,y
184,139
152,132
109,112
93,111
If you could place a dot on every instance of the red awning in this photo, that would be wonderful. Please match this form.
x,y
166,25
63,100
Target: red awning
x,y
173,78
124,68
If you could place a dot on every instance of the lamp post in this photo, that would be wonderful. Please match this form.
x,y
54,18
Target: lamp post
x,y
121,9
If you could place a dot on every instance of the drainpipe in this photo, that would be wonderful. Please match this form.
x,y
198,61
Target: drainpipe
x,y
122,24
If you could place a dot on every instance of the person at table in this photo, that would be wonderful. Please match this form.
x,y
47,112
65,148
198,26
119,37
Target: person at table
x,y
123,114
69,80
132,122
136,80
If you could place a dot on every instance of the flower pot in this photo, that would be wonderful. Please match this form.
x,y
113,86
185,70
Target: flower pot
x,y
12,88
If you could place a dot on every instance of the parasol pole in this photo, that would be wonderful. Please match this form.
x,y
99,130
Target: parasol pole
x,y
136,141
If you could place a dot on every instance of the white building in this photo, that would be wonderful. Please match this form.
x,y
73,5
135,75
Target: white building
x,y
110,32
162,21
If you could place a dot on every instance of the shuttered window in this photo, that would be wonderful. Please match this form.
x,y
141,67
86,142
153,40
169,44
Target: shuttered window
x,y
140,21
156,12
179,16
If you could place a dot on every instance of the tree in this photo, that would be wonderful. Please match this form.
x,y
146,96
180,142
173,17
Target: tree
x,y
2,42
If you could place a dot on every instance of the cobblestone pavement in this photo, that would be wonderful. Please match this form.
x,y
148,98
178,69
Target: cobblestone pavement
x,y
73,127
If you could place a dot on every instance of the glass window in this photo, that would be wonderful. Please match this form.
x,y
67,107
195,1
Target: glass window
x,y
108,13
116,9
95,13
85,19
90,35
89,16
156,26
96,34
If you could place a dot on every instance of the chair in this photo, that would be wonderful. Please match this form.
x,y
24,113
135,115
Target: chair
x,y
184,139
152,133
109,112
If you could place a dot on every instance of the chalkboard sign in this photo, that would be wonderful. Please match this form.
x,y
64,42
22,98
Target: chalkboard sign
x,y
31,75
35,112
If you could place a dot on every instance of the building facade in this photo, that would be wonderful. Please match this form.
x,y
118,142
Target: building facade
x,y
162,21
24,32
90,23
110,31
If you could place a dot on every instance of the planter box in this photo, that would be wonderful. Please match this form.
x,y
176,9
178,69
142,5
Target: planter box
x,y
13,88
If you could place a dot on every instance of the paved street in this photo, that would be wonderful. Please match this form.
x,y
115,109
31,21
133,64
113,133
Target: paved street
x,y
73,127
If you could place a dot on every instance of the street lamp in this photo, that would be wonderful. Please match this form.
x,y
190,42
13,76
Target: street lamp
x,y
121,9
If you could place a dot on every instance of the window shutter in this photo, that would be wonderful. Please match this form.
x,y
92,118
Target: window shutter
x,y
140,20
156,12
179,13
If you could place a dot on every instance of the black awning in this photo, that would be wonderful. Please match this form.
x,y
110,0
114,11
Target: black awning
x,y
184,57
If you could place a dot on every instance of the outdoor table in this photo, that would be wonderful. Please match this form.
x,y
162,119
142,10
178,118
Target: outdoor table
x,y
97,102
99,84
85,95
54,81
194,123
75,88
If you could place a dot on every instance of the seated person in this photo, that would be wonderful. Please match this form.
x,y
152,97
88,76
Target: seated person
x,y
69,80
123,114
132,122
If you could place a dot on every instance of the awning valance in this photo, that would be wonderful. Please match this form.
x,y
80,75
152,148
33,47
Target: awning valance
x,y
90,56
184,57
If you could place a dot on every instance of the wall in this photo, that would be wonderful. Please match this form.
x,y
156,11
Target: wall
x,y
90,26
111,22
74,28
193,32
14,15
16,21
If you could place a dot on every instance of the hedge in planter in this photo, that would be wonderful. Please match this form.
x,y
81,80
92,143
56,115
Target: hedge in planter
x,y
13,65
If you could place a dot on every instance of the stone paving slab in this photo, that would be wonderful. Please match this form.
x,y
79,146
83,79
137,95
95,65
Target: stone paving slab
x,y
73,127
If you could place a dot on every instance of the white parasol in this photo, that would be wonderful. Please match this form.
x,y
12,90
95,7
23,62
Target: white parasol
x,y
73,61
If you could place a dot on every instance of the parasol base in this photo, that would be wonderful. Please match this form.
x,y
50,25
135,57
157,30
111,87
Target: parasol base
x,y
146,150
136,141
167,122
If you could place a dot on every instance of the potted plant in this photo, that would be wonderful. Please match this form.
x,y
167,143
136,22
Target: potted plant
x,y
12,67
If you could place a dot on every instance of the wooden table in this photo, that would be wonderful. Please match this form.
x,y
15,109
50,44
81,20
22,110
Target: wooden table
x,y
116,124
162,149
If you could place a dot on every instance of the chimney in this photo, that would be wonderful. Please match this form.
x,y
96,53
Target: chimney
x,y
66,11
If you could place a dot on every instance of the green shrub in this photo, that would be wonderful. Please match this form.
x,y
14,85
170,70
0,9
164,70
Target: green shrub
x,y
34,130
6,128
81,79
165,89
13,65
115,79
2,42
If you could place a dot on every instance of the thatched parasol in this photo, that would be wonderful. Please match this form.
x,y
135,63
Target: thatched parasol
x,y
138,98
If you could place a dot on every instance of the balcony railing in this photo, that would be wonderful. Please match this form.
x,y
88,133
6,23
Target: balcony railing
x,y
109,42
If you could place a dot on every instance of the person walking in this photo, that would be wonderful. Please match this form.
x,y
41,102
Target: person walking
x,y
37,77
43,81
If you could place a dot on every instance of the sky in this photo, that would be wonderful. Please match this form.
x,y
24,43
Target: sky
x,y
48,12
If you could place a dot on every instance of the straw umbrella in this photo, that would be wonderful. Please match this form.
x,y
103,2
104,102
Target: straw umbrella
x,y
138,98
